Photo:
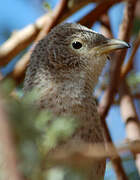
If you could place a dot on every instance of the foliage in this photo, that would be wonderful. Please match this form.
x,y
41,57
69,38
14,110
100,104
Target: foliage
x,y
36,131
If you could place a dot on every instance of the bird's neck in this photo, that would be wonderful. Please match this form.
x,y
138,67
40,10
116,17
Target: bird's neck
x,y
74,84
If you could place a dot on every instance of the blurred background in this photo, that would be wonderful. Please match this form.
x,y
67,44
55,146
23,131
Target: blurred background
x,y
17,14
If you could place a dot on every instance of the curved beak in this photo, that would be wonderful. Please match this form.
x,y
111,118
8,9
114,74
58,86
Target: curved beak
x,y
110,45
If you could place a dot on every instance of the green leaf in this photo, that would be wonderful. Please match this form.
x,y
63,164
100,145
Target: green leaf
x,y
47,6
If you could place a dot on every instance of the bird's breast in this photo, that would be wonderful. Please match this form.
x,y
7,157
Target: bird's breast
x,y
83,109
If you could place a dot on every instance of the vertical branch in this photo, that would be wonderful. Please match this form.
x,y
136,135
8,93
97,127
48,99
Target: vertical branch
x,y
105,26
1,76
107,99
130,117
116,162
126,68
8,160
126,27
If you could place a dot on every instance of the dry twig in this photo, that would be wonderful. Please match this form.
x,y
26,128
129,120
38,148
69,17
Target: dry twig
x,y
18,72
83,154
57,12
105,26
130,117
96,13
137,96
116,162
20,40
126,68
107,99
124,34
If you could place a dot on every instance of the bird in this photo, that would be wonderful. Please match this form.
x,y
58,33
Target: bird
x,y
65,66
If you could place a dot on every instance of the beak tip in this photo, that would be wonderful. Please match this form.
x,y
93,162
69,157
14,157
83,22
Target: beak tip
x,y
128,45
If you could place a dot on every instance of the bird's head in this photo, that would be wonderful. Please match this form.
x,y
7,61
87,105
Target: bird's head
x,y
73,47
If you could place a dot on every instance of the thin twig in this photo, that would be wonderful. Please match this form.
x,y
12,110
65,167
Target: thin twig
x,y
137,96
107,99
19,70
116,162
130,118
21,39
72,8
82,154
57,12
96,13
126,68
1,76
105,26
124,34
19,76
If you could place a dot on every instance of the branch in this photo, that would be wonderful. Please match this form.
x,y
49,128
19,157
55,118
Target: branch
x,y
73,7
116,162
84,153
57,12
57,15
124,34
1,76
126,68
21,39
9,169
107,99
137,96
130,117
19,71
66,12
105,26
96,13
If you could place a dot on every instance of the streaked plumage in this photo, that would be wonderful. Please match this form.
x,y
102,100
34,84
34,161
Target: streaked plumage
x,y
65,73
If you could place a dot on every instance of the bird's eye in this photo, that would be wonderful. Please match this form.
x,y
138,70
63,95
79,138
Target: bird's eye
x,y
76,45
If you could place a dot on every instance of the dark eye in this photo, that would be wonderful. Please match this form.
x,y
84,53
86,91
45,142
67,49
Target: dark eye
x,y
76,45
